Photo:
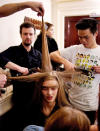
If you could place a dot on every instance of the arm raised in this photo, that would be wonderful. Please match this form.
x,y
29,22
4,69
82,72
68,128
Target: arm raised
x,y
11,8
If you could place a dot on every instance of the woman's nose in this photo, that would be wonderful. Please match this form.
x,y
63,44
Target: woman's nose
x,y
49,91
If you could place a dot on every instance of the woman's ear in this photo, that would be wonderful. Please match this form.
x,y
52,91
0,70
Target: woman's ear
x,y
96,33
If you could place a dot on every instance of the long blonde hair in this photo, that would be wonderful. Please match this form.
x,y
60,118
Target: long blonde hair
x,y
61,99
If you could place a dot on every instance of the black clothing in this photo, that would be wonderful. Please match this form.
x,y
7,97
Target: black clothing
x,y
22,91
52,46
3,61
91,115
20,56
37,117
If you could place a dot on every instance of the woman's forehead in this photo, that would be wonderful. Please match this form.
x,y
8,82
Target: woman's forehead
x,y
50,83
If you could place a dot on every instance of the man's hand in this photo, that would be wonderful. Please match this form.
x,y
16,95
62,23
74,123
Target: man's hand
x,y
23,70
37,6
3,80
69,66
96,69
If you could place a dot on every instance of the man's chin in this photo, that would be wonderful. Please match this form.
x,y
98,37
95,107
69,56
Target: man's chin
x,y
85,45
27,44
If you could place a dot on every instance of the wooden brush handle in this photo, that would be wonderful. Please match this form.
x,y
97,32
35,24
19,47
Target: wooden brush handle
x,y
37,23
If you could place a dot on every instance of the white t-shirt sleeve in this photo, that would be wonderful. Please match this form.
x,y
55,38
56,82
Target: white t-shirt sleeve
x,y
68,52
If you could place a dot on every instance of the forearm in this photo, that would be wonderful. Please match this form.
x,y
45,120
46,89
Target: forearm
x,y
18,68
13,66
9,9
55,56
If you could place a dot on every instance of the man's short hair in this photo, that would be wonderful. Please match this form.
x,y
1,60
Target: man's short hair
x,y
87,23
27,25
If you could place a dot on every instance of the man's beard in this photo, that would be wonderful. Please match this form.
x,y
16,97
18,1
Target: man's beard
x,y
27,44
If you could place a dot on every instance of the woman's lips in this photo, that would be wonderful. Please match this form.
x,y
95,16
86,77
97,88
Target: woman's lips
x,y
49,97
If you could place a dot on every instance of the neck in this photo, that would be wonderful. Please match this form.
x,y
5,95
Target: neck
x,y
28,48
94,45
47,108
46,104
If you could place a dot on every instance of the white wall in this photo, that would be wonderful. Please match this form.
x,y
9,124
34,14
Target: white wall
x,y
55,11
9,26
62,8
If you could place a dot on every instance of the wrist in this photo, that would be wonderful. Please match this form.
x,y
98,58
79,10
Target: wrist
x,y
64,61
18,68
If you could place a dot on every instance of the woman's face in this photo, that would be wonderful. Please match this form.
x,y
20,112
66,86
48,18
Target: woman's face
x,y
50,31
49,90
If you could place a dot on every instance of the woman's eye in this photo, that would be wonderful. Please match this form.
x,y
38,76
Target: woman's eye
x,y
44,88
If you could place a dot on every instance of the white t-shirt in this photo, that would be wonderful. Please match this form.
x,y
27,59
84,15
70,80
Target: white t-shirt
x,y
83,93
